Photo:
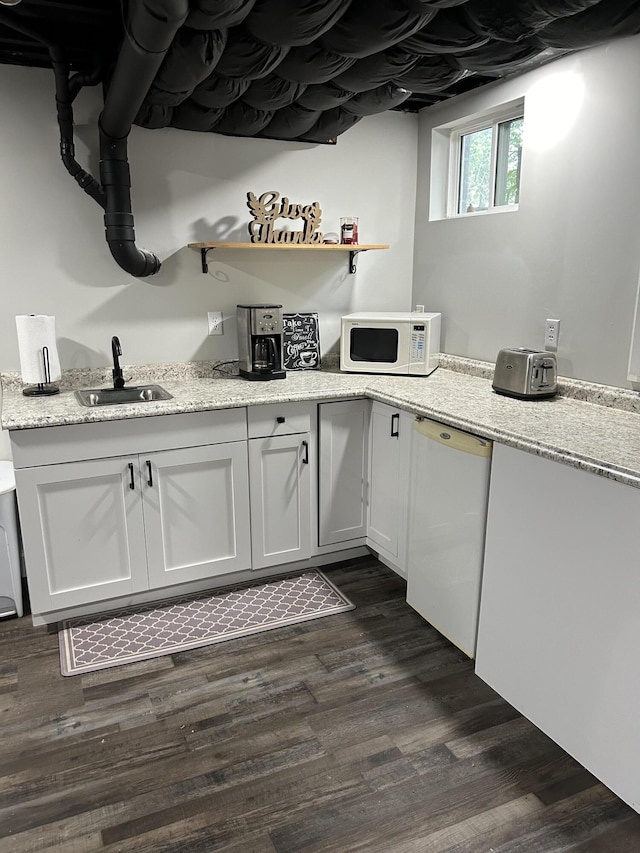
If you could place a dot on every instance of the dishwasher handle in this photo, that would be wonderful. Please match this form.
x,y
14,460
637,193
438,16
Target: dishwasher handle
x,y
456,439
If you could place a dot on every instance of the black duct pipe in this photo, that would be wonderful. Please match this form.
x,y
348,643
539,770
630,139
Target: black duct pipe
x,y
66,91
151,27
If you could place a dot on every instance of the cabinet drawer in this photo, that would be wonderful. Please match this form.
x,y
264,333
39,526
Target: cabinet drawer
x,y
279,419
46,445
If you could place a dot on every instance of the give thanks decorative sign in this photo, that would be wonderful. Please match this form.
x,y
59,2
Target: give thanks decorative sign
x,y
269,207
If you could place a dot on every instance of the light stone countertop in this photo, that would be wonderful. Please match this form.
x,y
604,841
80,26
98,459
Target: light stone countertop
x,y
599,438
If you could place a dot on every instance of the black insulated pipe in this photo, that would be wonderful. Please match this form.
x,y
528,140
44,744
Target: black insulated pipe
x,y
118,218
151,27
66,91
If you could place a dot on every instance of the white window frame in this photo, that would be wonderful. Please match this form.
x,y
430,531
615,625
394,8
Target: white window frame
x,y
445,160
633,370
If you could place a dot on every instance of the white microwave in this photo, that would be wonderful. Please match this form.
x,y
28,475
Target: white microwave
x,y
399,342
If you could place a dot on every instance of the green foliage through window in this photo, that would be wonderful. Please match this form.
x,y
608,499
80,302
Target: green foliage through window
x,y
489,166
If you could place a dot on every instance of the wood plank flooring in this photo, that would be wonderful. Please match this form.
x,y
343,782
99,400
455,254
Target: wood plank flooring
x,y
366,731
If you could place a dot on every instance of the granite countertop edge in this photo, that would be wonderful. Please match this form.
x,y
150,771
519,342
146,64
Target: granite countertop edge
x,y
593,428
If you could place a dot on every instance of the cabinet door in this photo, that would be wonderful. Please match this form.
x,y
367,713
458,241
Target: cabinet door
x,y
83,531
196,512
280,489
344,430
559,631
389,454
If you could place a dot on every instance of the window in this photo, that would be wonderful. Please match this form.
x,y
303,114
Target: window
x,y
479,159
488,166
633,372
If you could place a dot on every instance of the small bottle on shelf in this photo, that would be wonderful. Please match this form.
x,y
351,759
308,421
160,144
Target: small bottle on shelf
x,y
349,229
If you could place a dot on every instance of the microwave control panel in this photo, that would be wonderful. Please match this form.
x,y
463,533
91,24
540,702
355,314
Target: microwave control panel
x,y
418,342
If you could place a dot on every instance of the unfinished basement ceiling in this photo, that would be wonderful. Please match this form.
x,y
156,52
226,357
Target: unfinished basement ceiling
x,y
308,70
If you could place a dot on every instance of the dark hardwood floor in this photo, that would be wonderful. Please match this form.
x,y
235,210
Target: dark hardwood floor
x,y
365,731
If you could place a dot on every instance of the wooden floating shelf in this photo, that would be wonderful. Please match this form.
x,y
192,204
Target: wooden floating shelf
x,y
321,247
352,248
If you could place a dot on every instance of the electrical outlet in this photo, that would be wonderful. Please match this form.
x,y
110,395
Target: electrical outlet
x,y
215,322
551,335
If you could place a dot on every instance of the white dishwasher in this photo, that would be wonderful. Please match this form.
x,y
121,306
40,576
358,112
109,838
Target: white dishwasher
x,y
449,489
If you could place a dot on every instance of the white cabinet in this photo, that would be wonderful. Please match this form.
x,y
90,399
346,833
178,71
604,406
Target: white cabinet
x,y
559,631
83,531
343,452
96,529
196,512
281,466
389,463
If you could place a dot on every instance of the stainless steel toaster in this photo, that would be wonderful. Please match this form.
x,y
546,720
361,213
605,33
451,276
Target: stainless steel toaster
x,y
525,373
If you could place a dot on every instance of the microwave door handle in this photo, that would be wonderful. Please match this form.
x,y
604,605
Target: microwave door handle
x,y
395,425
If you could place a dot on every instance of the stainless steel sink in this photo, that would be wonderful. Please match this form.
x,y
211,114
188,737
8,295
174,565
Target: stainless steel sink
x,y
116,396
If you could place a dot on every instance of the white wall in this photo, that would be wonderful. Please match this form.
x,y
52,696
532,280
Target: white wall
x,y
188,187
572,251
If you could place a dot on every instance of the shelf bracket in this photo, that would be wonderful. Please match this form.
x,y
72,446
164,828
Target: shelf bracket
x,y
203,258
353,261
353,253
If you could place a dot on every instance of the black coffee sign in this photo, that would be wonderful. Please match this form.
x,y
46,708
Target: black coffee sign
x,y
300,341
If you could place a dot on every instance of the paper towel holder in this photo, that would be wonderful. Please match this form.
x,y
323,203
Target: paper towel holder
x,y
46,388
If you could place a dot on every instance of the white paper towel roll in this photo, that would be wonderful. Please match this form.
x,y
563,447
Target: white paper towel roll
x,y
36,331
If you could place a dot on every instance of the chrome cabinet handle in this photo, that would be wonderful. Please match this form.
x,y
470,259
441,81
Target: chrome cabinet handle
x,y
149,475
395,428
132,484
305,458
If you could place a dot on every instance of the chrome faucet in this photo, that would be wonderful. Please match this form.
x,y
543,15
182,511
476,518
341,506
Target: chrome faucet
x,y
116,349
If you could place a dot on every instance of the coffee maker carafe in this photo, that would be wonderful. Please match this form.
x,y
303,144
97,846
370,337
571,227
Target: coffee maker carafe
x,y
260,341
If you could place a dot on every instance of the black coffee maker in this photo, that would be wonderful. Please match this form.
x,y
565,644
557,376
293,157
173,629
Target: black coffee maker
x,y
260,341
